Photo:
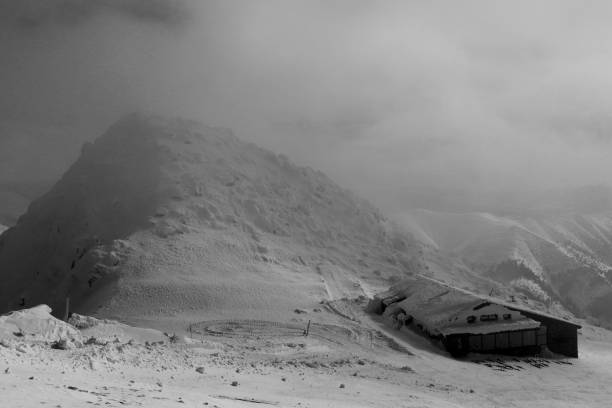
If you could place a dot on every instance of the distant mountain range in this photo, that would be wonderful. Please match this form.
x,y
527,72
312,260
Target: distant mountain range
x,y
551,256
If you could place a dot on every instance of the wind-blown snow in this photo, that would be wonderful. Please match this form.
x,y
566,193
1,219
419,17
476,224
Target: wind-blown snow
x,y
37,324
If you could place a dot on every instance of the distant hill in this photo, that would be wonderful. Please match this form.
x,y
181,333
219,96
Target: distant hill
x,y
554,256
169,218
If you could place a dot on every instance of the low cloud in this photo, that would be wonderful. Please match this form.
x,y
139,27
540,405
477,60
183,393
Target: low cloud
x,y
382,95
28,14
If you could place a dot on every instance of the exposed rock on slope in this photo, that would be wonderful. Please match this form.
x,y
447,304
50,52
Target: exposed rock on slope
x,y
162,217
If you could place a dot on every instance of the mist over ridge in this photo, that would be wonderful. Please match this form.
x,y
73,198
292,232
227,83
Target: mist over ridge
x,y
382,96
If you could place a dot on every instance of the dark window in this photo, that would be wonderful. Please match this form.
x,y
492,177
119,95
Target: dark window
x,y
488,317
488,342
529,338
516,339
471,319
480,306
501,340
507,316
475,342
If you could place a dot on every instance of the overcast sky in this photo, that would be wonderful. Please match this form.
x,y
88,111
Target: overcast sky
x,y
378,94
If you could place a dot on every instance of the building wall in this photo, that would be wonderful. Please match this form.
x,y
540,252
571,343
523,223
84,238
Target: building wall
x,y
518,342
561,337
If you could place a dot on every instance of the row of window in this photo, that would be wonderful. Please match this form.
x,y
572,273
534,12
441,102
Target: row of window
x,y
489,317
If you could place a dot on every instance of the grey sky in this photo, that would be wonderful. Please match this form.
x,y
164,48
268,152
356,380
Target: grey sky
x,y
379,94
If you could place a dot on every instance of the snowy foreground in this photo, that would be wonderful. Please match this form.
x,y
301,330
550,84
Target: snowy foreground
x,y
255,363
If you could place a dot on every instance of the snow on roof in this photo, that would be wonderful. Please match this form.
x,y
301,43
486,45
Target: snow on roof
x,y
438,306
494,327
425,286
433,303
522,308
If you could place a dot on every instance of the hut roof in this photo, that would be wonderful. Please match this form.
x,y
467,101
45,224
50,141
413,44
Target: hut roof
x,y
521,308
496,327
420,282
438,305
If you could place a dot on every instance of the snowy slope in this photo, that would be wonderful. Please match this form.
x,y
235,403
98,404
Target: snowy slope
x,y
369,366
171,218
562,257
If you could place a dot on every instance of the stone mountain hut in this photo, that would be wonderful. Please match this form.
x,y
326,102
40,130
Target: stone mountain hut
x,y
464,322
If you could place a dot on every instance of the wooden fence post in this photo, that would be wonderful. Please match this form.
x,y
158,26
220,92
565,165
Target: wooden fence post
x,y
67,312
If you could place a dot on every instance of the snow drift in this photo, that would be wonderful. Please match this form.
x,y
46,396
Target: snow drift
x,y
37,324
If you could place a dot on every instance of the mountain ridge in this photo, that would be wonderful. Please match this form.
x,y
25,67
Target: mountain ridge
x,y
170,217
551,257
